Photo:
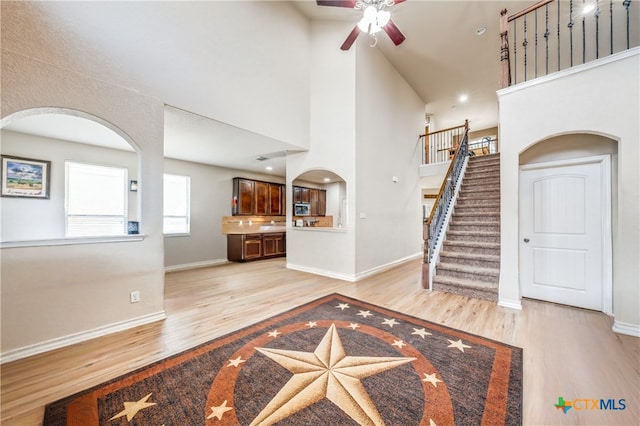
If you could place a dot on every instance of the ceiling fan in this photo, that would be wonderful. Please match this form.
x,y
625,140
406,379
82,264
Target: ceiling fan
x,y
375,18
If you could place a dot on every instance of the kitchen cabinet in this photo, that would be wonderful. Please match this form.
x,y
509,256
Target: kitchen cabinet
x,y
261,196
276,200
243,197
247,247
301,194
257,198
274,245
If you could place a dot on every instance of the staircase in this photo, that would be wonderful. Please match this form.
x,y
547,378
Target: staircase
x,y
470,258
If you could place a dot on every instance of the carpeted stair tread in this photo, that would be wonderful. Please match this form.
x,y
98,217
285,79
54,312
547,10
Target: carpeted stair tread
x,y
472,233
471,256
461,282
475,270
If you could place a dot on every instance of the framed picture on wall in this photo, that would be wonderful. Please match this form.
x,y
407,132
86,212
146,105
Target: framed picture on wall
x,y
25,177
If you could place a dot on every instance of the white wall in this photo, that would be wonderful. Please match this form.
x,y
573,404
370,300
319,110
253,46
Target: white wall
x,y
600,98
37,282
211,194
365,123
46,218
331,147
389,121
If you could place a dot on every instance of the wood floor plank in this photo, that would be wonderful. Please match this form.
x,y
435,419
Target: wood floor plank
x,y
568,352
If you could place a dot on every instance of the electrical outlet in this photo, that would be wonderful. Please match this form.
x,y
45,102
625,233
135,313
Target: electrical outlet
x,y
135,296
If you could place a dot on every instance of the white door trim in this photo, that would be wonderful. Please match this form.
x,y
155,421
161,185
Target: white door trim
x,y
606,225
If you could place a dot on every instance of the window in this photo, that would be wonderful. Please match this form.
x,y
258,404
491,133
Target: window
x,y
176,204
95,200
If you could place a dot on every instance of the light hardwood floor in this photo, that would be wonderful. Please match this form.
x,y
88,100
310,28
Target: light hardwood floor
x,y
568,352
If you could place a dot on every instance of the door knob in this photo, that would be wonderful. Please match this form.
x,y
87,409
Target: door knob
x,y
526,240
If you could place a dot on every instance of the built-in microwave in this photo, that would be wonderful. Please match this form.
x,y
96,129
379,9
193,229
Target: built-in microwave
x,y
301,209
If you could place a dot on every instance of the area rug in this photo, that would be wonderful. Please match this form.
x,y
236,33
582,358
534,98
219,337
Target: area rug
x,y
334,361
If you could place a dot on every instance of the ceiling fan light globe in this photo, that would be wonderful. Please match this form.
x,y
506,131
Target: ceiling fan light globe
x,y
382,18
363,24
370,13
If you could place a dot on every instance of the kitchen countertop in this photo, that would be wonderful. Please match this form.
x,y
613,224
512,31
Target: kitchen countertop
x,y
256,229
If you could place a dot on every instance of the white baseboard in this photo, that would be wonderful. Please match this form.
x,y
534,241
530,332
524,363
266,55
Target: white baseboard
x,y
322,272
626,328
511,304
71,339
195,265
382,268
353,277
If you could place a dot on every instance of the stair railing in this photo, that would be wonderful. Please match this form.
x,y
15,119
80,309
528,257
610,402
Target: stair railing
x,y
439,146
553,35
434,224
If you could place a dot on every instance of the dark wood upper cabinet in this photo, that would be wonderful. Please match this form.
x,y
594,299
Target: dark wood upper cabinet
x,y
313,200
243,197
261,194
322,202
257,198
276,195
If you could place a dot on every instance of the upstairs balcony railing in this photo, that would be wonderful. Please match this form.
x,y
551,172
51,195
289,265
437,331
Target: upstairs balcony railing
x,y
440,146
554,35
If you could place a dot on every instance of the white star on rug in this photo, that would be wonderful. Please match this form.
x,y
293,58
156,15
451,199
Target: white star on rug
x,y
326,373
353,326
421,332
312,324
274,333
398,343
219,411
132,408
458,345
343,306
236,362
431,378
390,322
364,314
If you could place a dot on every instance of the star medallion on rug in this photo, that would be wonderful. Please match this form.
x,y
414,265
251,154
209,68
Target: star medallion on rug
x,y
333,361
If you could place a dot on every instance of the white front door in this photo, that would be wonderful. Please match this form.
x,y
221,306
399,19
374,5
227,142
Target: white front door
x,y
564,226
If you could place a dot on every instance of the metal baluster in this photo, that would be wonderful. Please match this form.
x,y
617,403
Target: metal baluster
x,y
558,35
546,39
611,25
584,41
515,53
535,57
570,25
524,44
626,4
597,15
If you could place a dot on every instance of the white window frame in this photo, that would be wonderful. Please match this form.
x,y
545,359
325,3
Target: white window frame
x,y
113,220
184,214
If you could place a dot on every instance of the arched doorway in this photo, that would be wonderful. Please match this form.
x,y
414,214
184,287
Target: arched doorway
x,y
565,232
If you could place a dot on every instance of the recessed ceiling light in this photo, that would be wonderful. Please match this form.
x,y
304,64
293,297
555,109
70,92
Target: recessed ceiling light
x,y
269,168
588,8
481,31
327,179
463,98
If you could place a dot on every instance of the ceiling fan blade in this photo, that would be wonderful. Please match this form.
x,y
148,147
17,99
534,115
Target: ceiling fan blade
x,y
338,3
394,33
350,38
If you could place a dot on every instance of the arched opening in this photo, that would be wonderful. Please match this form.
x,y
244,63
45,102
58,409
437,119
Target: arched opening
x,y
40,148
319,199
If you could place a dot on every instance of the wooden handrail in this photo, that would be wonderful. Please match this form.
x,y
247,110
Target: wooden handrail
x,y
528,9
